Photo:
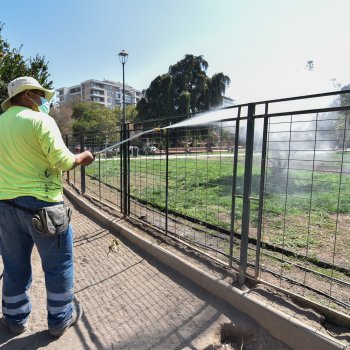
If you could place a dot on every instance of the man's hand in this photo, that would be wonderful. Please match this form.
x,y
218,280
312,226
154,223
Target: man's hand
x,y
84,158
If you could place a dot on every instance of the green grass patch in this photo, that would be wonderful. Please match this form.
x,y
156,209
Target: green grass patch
x,y
202,188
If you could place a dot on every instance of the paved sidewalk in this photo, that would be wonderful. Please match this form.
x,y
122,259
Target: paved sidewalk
x,y
132,301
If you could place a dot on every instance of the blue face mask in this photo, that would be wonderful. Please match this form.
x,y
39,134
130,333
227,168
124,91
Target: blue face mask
x,y
45,105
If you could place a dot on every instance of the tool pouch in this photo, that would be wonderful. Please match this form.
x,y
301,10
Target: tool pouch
x,y
52,221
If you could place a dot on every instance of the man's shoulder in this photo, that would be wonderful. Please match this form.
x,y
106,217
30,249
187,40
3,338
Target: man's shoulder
x,y
39,117
24,113
18,114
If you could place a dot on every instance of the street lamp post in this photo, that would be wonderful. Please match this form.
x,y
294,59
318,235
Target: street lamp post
x,y
123,57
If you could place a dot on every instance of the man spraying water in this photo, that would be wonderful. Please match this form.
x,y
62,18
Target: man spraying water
x,y
33,156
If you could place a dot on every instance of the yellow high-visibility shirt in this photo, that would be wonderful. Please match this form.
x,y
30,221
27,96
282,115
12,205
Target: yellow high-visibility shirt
x,y
32,155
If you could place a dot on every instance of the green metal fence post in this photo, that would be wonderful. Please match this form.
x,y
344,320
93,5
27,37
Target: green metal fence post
x,y
246,193
67,140
128,170
167,180
234,186
125,171
121,150
261,191
82,168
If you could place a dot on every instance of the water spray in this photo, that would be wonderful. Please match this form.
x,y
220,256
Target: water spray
x,y
128,139
213,116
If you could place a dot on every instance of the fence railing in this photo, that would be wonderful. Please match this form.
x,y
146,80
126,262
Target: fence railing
x,y
264,188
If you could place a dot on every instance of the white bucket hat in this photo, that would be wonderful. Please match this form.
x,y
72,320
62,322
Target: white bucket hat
x,y
21,84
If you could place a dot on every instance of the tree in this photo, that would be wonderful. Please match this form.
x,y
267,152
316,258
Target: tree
x,y
97,123
63,117
14,65
131,113
92,118
186,88
100,125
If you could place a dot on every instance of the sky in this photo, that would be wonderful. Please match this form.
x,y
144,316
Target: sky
x,y
262,45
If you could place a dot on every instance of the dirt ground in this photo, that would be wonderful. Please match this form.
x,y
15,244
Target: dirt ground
x,y
132,301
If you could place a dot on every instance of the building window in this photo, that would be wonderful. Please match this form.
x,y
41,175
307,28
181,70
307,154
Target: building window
x,y
74,90
97,99
98,86
96,92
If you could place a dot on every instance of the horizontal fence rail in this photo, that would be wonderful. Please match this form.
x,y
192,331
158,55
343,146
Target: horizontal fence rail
x,y
264,188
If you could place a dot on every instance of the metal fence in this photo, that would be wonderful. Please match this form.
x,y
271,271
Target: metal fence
x,y
264,188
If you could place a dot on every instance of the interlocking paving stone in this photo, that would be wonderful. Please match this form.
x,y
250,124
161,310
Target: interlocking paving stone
x,y
131,301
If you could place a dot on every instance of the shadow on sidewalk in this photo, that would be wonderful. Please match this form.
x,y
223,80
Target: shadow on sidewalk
x,y
38,340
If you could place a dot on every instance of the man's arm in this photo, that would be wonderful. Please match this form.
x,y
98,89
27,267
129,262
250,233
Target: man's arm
x,y
84,158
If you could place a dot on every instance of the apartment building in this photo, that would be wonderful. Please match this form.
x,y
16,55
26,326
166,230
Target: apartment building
x,y
106,92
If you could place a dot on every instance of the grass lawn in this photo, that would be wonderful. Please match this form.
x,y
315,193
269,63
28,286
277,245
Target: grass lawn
x,y
301,207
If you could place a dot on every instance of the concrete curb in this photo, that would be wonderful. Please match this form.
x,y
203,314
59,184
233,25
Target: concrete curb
x,y
283,327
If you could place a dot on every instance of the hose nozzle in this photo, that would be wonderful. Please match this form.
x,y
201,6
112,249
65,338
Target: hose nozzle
x,y
156,129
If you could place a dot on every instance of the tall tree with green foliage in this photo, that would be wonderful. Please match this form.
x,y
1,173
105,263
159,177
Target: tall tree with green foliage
x,y
92,117
186,88
14,65
99,124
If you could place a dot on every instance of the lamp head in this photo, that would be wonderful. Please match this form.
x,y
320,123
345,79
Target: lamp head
x,y
123,56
